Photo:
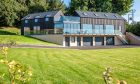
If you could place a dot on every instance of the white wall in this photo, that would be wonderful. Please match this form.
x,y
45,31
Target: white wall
x,y
117,41
58,39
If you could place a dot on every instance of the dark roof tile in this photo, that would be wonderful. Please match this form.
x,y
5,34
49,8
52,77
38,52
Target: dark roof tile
x,y
99,15
41,15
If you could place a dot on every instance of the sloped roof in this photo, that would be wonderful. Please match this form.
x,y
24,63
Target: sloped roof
x,y
99,15
41,15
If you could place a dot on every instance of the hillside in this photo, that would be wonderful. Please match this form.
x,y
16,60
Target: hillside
x,y
13,34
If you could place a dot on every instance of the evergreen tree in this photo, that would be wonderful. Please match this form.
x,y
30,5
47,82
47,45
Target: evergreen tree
x,y
8,9
56,5
117,6
122,6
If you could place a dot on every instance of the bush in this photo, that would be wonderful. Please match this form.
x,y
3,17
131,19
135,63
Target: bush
x,y
135,29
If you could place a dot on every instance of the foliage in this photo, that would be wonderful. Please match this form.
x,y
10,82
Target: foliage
x,y
56,5
12,11
134,28
107,76
17,72
116,6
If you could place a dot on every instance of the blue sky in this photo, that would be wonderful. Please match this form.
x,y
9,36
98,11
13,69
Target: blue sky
x,y
136,6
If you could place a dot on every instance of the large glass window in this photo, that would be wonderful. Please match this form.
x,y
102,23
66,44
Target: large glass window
x,y
109,29
109,40
36,30
99,29
26,30
58,28
72,28
58,25
67,28
87,28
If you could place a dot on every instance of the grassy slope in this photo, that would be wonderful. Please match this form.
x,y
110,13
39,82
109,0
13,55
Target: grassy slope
x,y
22,40
10,33
64,66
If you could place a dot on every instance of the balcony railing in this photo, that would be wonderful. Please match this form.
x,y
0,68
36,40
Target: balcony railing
x,y
72,32
91,32
71,18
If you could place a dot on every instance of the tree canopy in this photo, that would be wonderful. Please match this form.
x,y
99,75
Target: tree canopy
x,y
116,6
11,11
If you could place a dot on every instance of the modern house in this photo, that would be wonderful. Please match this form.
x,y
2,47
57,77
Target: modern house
x,y
82,29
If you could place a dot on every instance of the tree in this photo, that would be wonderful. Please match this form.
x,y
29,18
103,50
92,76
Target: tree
x,y
37,6
122,6
116,6
56,5
7,12
10,11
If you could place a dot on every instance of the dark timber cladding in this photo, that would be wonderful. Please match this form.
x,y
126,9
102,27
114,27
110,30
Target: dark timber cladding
x,y
41,17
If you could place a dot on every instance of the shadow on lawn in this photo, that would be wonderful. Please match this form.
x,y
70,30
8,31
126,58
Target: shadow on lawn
x,y
6,33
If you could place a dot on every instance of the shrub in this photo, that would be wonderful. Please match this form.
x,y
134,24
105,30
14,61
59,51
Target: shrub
x,y
135,29
18,73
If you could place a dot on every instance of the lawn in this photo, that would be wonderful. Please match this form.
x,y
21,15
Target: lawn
x,y
67,66
9,31
13,34
23,40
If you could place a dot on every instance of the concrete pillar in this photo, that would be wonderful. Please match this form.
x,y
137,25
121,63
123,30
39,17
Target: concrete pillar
x,y
105,41
93,41
81,41
64,43
76,40
70,41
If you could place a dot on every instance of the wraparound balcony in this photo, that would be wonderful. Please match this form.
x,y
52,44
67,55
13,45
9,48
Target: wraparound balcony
x,y
72,32
91,32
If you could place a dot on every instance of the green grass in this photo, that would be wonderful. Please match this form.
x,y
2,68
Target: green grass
x,y
65,66
9,31
13,34
23,40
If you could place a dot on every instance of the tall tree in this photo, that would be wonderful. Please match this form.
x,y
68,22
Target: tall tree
x,y
122,6
56,5
8,12
117,6
38,6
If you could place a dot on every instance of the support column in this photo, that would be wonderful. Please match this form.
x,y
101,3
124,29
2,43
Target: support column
x,y
70,41
81,41
93,41
105,41
64,43
76,41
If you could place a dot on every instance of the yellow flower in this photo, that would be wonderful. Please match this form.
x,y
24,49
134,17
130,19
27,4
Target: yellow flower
x,y
4,48
30,73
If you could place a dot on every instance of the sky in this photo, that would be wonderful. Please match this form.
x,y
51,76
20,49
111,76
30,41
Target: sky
x,y
136,6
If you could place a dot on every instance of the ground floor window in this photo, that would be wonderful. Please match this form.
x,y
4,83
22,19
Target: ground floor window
x,y
109,40
67,41
26,30
87,41
36,30
99,41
